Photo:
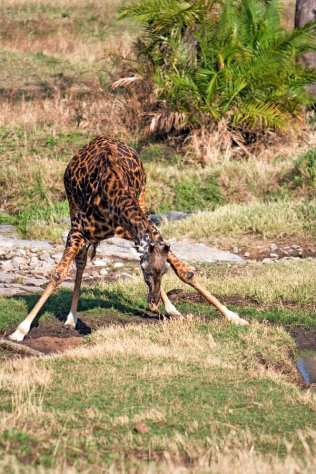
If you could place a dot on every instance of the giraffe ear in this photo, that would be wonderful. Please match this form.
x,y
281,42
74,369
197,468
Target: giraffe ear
x,y
166,248
151,247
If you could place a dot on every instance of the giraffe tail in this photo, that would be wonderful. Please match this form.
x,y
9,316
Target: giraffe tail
x,y
92,249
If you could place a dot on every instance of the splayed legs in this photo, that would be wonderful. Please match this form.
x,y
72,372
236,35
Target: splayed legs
x,y
75,242
187,275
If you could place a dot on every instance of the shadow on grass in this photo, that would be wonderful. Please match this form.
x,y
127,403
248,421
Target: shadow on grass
x,y
102,304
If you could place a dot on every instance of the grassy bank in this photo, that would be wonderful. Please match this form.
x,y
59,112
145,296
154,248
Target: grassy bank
x,y
193,394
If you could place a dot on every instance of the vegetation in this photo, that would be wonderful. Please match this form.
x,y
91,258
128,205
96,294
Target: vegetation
x,y
198,385
207,395
213,60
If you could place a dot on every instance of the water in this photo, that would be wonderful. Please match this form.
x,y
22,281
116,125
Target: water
x,y
306,364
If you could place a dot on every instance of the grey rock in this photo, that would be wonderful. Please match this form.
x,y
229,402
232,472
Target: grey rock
x,y
267,260
118,265
6,266
273,255
202,253
125,249
246,254
156,219
104,271
8,230
273,247
100,262
295,247
235,250
69,285
9,243
18,262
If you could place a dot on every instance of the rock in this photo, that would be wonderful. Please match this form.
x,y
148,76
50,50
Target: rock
x,y
100,262
69,285
18,262
235,250
45,256
33,262
246,254
273,255
273,247
6,266
296,247
9,243
125,276
118,265
8,230
156,219
20,253
103,271
267,260
202,253
141,428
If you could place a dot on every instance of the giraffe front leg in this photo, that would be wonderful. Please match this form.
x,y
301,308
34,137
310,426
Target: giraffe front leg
x,y
187,275
74,242
81,261
171,310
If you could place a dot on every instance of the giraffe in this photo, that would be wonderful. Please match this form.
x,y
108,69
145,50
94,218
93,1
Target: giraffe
x,y
105,186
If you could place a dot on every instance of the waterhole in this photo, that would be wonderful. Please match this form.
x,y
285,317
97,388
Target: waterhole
x,y
306,363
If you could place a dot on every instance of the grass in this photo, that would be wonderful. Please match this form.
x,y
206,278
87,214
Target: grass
x,y
277,219
199,385
212,395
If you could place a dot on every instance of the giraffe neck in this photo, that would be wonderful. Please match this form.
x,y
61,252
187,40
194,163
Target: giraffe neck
x,y
132,218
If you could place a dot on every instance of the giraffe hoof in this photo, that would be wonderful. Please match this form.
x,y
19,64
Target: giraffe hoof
x,y
17,336
69,325
235,319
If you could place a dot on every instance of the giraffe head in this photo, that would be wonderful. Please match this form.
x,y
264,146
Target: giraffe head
x,y
154,265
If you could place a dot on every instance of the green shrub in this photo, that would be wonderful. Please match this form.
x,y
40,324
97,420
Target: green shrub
x,y
209,60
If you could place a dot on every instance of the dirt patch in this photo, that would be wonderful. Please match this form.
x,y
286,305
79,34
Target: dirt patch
x,y
53,344
305,338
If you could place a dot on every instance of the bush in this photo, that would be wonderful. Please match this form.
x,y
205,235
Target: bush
x,y
209,60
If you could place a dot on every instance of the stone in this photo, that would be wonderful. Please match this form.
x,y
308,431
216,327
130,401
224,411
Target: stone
x,y
296,247
45,256
246,254
104,271
8,230
33,262
267,260
20,253
6,266
118,265
273,255
125,276
235,250
18,262
100,262
141,428
273,247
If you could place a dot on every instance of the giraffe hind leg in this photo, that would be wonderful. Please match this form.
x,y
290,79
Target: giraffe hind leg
x,y
75,242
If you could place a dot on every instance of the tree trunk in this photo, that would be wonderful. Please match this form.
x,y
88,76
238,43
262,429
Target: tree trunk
x,y
305,11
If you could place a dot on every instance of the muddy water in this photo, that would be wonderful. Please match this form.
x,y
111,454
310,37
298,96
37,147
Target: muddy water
x,y
306,363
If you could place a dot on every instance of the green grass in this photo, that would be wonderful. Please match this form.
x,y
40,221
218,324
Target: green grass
x,y
199,386
265,219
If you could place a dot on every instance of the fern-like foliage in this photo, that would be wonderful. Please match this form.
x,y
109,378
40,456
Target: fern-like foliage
x,y
225,58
